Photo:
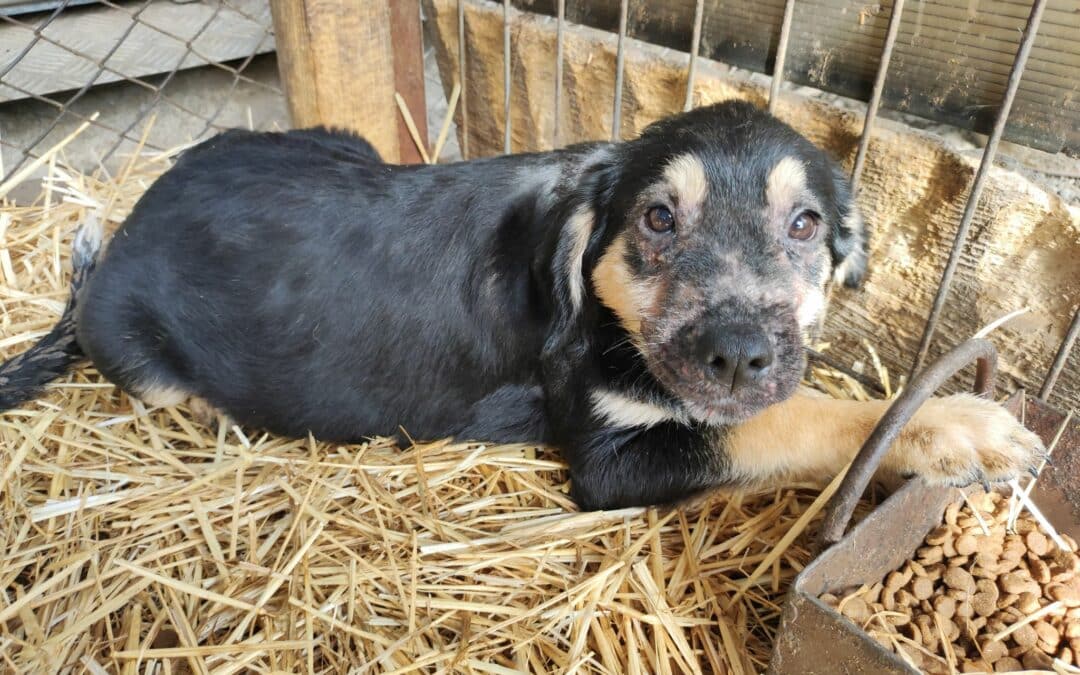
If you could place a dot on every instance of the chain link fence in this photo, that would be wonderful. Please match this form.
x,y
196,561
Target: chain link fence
x,y
151,73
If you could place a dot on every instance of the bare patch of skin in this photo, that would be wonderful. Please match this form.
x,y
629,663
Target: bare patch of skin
x,y
954,440
623,411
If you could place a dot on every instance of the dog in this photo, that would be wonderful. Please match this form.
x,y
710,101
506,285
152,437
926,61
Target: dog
x,y
642,306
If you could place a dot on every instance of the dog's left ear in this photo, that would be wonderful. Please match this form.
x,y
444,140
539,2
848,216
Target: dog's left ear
x,y
581,219
848,241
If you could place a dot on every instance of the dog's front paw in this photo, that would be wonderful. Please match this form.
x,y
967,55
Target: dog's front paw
x,y
964,439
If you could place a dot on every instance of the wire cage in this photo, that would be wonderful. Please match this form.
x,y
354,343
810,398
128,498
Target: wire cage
x,y
136,541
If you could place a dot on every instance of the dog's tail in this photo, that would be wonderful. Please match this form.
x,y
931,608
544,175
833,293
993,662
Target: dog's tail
x,y
24,376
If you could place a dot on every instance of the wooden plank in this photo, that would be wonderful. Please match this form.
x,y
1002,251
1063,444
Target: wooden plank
x,y
67,57
408,45
336,61
950,64
1024,247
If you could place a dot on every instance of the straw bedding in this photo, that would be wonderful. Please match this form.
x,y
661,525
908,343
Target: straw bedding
x,y
136,540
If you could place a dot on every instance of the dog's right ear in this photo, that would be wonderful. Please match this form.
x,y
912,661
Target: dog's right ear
x,y
580,216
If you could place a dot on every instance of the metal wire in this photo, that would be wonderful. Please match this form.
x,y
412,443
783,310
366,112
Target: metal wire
x,y
695,46
1015,74
620,57
105,64
1061,357
559,29
506,76
781,55
464,100
879,87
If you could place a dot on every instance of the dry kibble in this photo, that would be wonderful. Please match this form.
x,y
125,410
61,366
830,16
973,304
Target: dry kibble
x,y
952,512
944,606
983,604
895,581
938,535
928,630
1048,635
1067,593
993,650
1025,636
922,588
1028,603
1039,570
905,599
888,600
856,609
1007,600
1037,543
966,544
956,577
1018,582
1037,660
986,560
965,586
1066,656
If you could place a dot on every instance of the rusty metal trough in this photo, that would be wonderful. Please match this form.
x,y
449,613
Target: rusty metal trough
x,y
815,638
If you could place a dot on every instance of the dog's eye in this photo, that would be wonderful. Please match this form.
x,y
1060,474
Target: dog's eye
x,y
804,227
660,219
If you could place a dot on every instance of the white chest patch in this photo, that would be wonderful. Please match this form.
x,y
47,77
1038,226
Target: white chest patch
x,y
621,410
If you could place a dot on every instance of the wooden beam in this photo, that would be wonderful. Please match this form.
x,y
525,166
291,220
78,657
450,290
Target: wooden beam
x,y
408,46
950,64
337,64
238,30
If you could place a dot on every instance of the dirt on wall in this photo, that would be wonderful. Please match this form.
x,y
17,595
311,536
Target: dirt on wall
x,y
1024,245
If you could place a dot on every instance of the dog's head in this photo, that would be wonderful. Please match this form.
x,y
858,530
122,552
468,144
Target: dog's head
x,y
712,238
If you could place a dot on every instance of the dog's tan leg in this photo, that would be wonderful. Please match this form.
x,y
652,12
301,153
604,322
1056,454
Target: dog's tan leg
x,y
953,440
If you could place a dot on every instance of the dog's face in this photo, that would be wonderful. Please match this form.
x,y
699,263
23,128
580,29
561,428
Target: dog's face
x,y
722,228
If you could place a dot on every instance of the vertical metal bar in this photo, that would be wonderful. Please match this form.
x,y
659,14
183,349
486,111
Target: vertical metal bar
x,y
556,140
879,87
695,45
616,113
1061,358
506,77
1017,71
461,79
781,55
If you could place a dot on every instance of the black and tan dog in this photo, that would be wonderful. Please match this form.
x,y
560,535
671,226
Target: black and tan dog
x,y
641,305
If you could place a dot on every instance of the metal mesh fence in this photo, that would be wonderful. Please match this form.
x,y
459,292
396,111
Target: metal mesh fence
x,y
159,73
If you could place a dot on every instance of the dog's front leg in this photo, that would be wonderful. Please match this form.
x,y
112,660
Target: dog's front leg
x,y
954,440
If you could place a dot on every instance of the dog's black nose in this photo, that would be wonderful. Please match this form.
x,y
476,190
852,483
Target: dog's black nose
x,y
738,354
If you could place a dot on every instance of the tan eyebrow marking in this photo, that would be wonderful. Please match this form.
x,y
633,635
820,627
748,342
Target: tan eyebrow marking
x,y
786,183
686,176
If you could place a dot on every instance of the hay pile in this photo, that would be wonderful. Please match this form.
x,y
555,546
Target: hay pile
x,y
135,540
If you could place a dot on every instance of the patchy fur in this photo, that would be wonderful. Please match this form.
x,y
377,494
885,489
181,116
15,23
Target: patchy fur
x,y
641,305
